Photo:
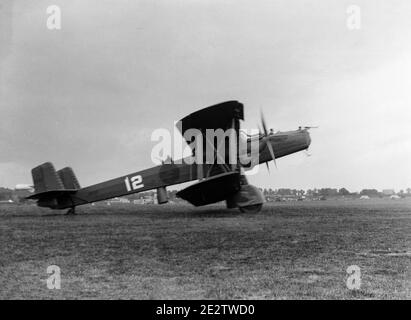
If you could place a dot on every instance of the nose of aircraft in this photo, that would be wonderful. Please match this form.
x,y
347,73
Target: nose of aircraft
x,y
304,138
307,138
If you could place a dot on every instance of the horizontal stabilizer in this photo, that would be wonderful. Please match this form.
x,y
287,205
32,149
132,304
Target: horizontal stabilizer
x,y
51,194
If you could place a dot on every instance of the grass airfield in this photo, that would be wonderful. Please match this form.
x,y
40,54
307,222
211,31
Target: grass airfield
x,y
296,250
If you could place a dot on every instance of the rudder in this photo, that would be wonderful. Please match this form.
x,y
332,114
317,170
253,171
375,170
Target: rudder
x,y
68,178
45,178
54,189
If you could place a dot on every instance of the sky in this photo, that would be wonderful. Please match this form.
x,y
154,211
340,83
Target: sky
x,y
90,94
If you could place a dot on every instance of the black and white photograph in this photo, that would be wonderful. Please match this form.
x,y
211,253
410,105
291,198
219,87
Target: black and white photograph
x,y
227,152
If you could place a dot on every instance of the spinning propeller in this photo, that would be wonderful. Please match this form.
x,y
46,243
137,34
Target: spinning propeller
x,y
265,139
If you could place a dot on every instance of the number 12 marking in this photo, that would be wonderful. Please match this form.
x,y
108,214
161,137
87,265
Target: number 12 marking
x,y
134,183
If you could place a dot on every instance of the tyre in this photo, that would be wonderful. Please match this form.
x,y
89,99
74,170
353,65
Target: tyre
x,y
251,209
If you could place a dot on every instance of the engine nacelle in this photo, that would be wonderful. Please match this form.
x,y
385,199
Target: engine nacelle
x,y
248,199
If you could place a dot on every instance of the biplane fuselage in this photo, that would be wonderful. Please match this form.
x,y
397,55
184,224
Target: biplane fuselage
x,y
65,192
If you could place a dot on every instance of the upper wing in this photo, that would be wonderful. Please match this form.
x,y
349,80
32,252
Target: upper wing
x,y
218,116
225,116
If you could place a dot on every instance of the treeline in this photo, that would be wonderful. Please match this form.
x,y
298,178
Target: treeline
x,y
14,195
331,192
9,194
6,194
151,193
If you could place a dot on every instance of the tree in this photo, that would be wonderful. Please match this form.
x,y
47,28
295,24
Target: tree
x,y
369,192
328,192
343,192
5,194
284,192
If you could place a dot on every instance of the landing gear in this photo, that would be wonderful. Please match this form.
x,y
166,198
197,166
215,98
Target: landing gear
x,y
71,211
251,209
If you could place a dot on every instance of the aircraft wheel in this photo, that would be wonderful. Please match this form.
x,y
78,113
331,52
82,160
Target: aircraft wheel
x,y
251,209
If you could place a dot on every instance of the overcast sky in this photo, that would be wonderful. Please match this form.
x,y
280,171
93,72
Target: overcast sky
x,y
90,95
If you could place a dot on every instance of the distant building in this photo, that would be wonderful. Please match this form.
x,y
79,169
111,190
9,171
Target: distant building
x,y
149,199
395,197
118,200
388,192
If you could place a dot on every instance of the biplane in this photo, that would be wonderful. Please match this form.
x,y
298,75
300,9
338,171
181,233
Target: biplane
x,y
215,181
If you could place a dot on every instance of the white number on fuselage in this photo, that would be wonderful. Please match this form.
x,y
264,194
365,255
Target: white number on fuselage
x,y
134,183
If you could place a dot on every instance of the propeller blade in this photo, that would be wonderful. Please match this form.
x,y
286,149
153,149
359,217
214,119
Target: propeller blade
x,y
263,123
260,132
270,148
266,134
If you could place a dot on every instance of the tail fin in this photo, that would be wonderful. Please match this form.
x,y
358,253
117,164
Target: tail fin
x,y
68,178
53,189
45,178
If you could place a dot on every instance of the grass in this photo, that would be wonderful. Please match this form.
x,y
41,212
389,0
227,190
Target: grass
x,y
297,250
